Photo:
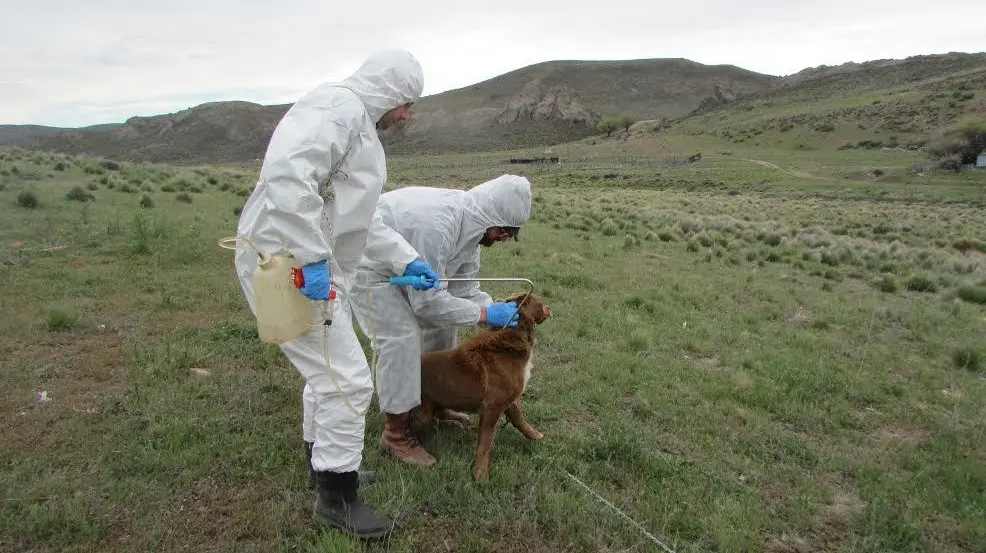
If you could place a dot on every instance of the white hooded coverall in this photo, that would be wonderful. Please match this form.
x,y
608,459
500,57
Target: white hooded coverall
x,y
444,226
315,197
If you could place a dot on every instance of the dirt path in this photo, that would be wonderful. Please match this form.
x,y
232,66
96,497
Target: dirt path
x,y
799,174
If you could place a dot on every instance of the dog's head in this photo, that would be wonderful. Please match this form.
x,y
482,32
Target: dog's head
x,y
532,312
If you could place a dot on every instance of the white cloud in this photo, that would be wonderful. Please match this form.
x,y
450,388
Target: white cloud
x,y
75,63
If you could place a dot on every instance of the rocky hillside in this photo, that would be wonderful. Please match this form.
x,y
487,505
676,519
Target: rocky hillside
x,y
885,103
563,100
540,104
215,132
560,101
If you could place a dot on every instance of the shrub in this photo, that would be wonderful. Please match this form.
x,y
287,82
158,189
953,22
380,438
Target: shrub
x,y
146,201
830,258
77,194
184,198
951,162
921,284
607,125
28,200
967,244
967,358
963,141
973,294
771,239
61,320
887,284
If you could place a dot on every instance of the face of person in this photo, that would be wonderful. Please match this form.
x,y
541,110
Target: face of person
x,y
398,115
494,235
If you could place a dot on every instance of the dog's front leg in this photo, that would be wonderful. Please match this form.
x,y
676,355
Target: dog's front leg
x,y
487,429
516,418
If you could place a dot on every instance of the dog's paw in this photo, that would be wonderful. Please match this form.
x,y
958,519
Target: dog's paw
x,y
480,474
534,434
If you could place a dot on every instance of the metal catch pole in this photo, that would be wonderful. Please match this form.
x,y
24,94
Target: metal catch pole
x,y
408,280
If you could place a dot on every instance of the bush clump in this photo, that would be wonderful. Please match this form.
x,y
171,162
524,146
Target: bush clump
x,y
78,194
921,284
960,144
28,200
973,294
967,358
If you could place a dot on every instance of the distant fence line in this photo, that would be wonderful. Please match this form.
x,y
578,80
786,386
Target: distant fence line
x,y
505,164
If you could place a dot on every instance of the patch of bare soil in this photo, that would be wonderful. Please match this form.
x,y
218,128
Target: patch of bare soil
x,y
801,316
66,376
581,419
826,530
899,434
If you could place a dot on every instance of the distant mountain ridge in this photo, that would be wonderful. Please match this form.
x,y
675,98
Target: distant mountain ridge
x,y
537,105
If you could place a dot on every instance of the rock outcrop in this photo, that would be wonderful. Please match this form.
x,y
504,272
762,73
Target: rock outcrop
x,y
539,103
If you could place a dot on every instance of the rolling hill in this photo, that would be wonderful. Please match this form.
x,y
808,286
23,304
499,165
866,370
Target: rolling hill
x,y
538,104
561,101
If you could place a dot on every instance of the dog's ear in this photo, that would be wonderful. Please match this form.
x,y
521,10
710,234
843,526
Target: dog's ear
x,y
516,298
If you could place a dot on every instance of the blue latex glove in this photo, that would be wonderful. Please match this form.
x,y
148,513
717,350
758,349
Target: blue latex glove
x,y
317,280
420,268
498,313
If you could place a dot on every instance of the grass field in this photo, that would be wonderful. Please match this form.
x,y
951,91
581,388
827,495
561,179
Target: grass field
x,y
770,350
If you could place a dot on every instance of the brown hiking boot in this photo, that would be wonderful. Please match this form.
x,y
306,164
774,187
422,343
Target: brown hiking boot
x,y
398,440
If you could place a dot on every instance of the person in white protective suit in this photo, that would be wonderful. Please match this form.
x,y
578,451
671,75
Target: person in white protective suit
x,y
316,196
447,228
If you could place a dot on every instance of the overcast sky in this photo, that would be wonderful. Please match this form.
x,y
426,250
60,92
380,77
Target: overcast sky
x,y
81,62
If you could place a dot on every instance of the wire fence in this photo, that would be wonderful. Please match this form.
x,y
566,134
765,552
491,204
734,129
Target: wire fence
x,y
507,164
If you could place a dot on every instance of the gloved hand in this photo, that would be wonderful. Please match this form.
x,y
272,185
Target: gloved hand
x,y
317,280
498,313
420,268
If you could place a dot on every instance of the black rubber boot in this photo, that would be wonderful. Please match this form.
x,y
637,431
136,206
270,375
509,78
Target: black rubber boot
x,y
339,505
366,477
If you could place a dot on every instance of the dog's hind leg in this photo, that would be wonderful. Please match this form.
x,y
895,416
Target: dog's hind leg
x,y
487,429
450,416
516,418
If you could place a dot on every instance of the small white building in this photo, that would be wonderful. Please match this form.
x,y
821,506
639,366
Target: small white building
x,y
981,161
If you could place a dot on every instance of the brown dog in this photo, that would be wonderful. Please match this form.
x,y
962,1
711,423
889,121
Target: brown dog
x,y
486,374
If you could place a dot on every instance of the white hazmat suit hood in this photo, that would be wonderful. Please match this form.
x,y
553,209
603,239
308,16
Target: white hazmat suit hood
x,y
501,202
445,227
389,79
316,198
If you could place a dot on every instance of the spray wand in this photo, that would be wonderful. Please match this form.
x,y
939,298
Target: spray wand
x,y
411,280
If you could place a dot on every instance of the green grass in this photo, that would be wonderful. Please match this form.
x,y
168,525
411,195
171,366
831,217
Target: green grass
x,y
787,363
